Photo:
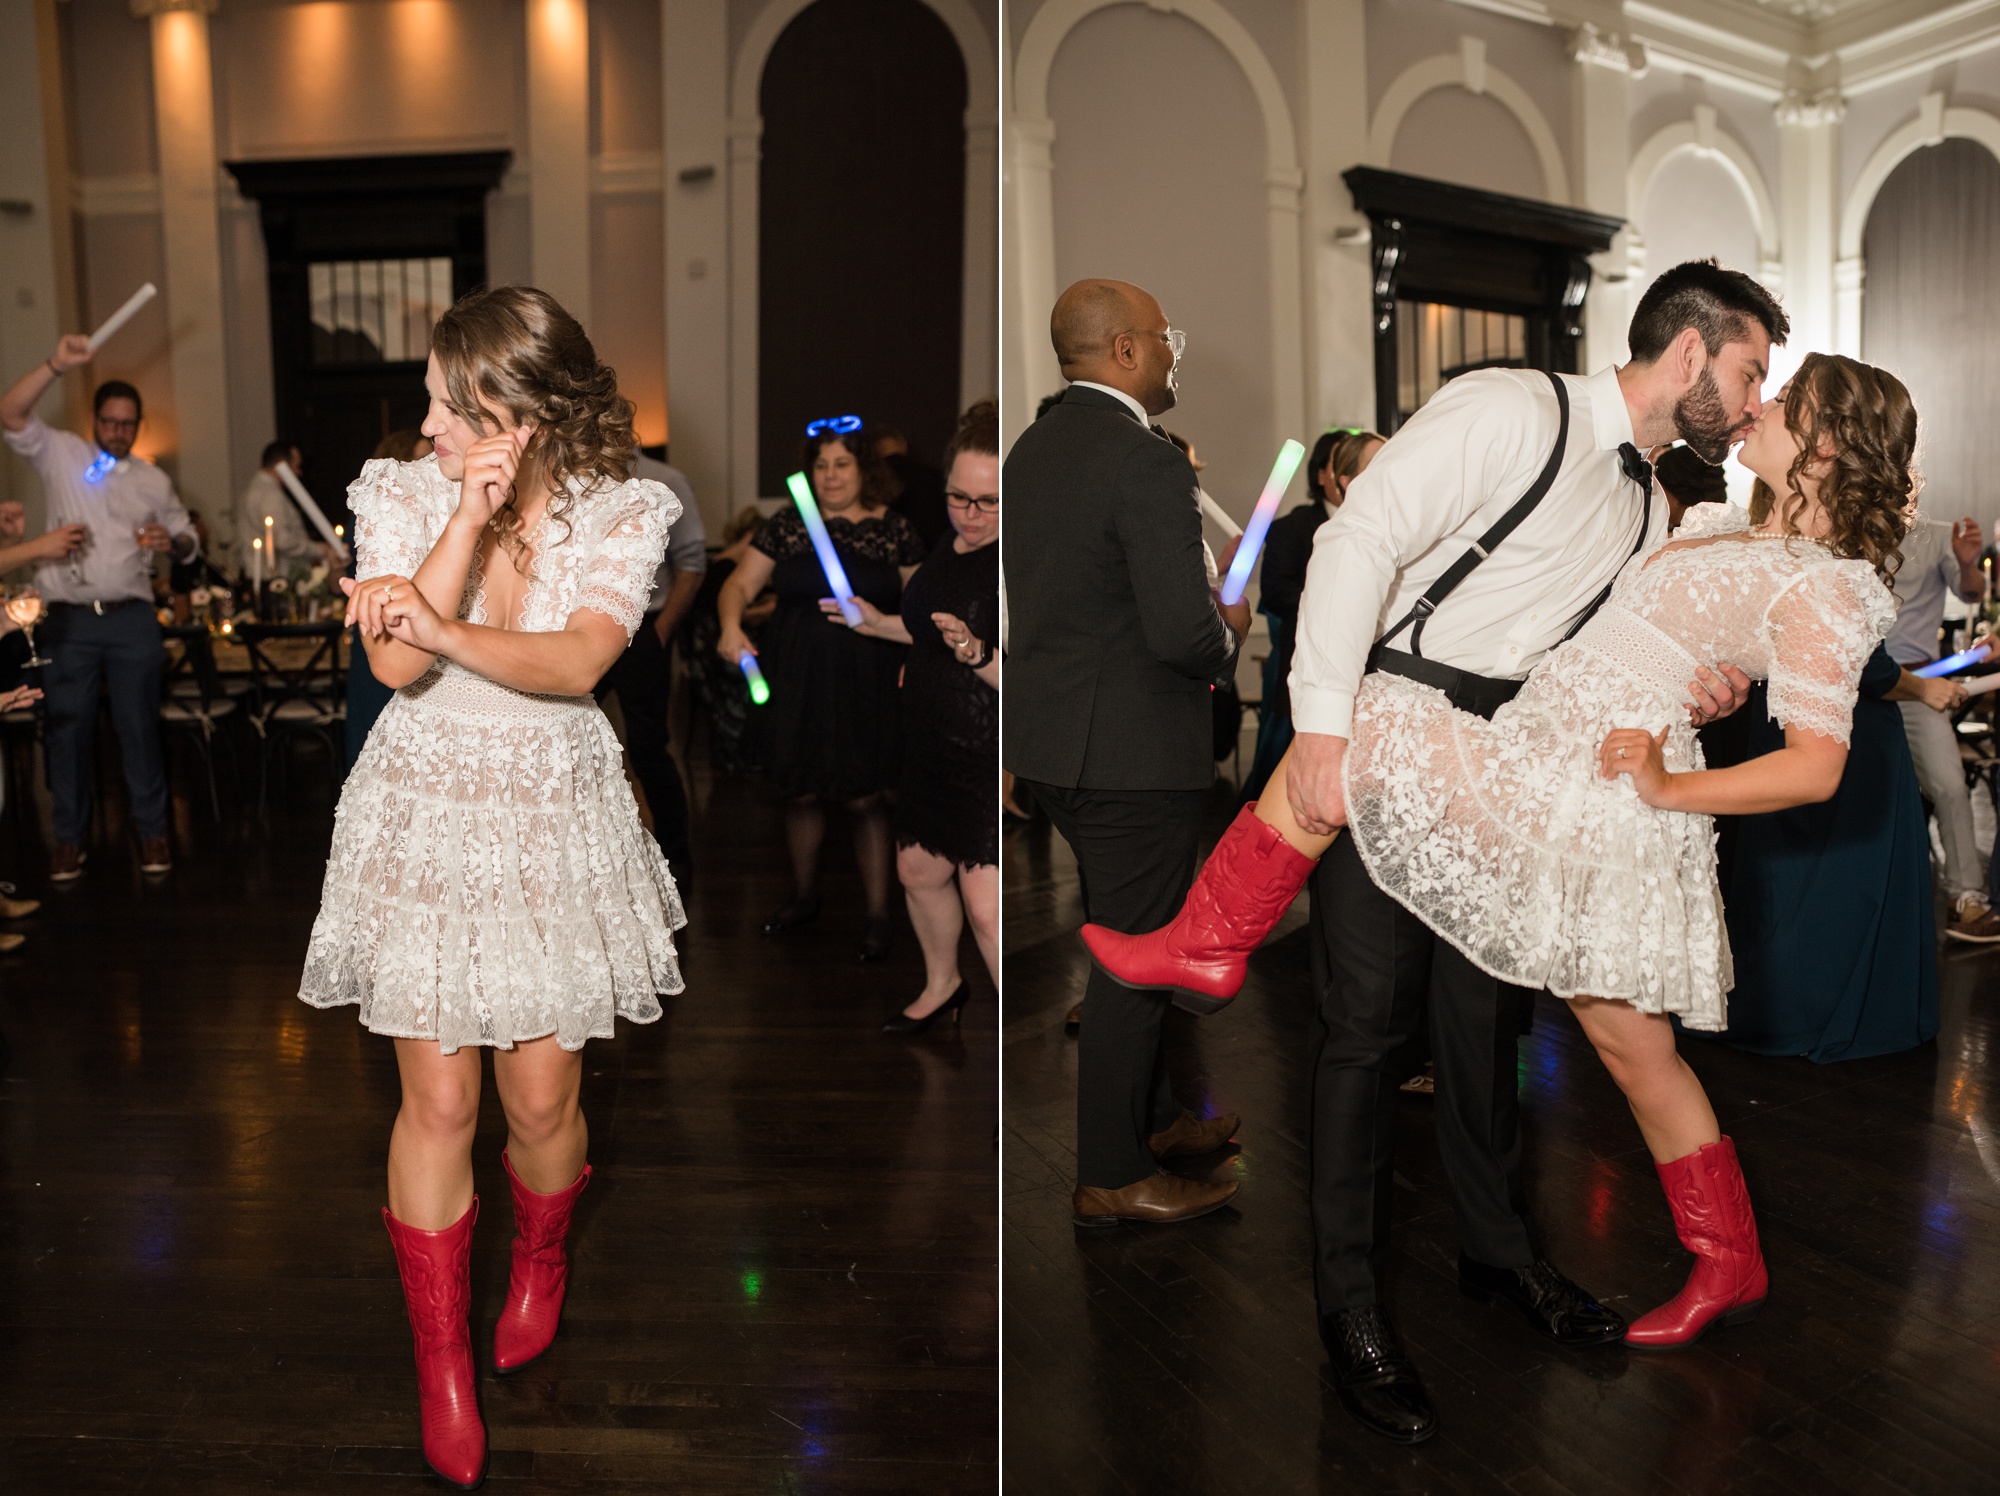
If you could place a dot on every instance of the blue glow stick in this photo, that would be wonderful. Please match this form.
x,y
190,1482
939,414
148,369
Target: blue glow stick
x,y
760,689
1958,661
829,562
1290,455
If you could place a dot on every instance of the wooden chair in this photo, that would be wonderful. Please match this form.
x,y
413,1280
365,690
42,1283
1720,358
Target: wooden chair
x,y
195,702
301,694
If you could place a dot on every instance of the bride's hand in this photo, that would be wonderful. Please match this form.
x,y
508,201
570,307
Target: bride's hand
x,y
1716,693
490,467
1634,751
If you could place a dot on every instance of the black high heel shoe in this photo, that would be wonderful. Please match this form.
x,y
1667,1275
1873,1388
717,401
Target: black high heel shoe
x,y
875,943
799,912
954,1005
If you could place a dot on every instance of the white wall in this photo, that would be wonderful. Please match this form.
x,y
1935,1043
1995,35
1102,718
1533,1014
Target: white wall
x,y
1470,139
1159,180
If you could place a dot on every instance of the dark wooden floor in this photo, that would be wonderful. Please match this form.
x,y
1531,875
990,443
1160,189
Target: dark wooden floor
x,y
785,1267
1185,1359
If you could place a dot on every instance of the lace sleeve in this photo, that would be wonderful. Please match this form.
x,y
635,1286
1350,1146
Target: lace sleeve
x,y
1822,630
1712,519
618,578
391,537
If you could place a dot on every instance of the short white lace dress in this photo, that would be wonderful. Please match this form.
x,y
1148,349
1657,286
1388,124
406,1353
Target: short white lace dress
x,y
490,881
1502,837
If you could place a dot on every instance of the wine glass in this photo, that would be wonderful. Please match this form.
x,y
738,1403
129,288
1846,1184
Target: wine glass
x,y
27,609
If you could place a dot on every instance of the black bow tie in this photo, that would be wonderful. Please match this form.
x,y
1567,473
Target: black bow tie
x,y
1636,467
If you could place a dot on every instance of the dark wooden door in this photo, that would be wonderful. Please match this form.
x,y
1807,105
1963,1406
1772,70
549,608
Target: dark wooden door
x,y
363,252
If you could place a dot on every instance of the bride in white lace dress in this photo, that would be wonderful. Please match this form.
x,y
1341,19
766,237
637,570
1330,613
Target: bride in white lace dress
x,y
490,883
1568,844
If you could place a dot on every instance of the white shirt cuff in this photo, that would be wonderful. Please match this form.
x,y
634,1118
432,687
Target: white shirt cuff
x,y
1321,710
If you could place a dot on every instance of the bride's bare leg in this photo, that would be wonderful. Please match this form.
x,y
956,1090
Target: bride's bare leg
x,y
1667,1100
430,1147
1274,809
541,1091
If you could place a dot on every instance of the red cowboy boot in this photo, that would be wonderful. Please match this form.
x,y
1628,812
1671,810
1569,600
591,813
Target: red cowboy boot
x,y
1241,893
540,1273
437,1286
1711,1207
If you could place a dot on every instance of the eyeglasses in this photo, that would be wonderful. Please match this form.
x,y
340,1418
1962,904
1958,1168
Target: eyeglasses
x,y
988,503
1176,339
833,426
111,425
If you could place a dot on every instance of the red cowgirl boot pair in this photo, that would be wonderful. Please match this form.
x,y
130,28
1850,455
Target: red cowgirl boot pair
x,y
1712,1216
436,1268
1241,893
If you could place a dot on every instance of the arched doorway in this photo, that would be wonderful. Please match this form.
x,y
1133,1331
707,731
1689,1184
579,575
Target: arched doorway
x,y
861,209
1932,250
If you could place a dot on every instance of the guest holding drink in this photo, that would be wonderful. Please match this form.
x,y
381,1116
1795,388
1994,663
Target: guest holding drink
x,y
833,716
101,628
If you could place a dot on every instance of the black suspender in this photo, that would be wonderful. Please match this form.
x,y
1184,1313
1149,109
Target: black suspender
x,y
1463,567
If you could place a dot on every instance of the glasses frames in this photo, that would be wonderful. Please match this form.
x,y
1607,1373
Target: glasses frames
x,y
1176,339
986,503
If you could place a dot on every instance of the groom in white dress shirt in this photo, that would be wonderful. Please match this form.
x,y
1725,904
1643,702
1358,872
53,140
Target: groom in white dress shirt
x,y
1380,595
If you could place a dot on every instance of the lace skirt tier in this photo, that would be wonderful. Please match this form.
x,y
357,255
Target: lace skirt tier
x,y
1502,837
490,881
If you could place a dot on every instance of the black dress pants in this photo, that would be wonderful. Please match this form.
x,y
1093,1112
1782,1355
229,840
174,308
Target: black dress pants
x,y
642,679
1136,851
1377,972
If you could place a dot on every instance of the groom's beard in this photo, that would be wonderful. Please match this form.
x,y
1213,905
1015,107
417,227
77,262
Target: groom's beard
x,y
1704,422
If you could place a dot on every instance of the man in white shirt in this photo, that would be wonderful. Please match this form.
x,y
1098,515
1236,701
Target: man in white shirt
x,y
264,497
100,624
1423,513
642,678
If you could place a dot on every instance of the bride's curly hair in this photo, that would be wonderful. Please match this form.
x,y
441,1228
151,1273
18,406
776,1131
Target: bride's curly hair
x,y
515,348
1864,418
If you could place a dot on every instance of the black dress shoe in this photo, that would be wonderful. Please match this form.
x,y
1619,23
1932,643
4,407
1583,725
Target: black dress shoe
x,y
1548,1300
1377,1382
875,941
791,916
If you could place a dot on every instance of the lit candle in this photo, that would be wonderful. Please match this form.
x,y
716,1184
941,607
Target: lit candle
x,y
1289,457
829,562
257,565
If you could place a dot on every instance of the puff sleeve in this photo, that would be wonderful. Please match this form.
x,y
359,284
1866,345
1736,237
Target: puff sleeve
x,y
618,576
1822,630
392,531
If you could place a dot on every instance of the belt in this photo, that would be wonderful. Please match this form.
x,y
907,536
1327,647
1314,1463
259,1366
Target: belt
x,y
103,606
1479,694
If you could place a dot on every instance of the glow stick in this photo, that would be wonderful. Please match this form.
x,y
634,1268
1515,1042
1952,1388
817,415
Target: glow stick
x,y
313,512
1217,513
1958,661
760,689
123,315
1979,685
1290,455
829,562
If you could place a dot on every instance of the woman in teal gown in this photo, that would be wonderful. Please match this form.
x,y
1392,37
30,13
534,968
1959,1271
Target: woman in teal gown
x,y
1829,906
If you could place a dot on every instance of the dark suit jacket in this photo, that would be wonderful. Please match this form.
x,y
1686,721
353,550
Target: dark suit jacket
x,y
1112,635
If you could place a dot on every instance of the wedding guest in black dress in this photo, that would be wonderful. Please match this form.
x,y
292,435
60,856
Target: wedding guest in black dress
x,y
947,807
734,742
833,726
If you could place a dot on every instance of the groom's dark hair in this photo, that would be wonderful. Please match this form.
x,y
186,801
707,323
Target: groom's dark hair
x,y
1718,303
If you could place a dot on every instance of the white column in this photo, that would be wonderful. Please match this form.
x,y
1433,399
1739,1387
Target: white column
x,y
39,300
746,153
979,332
1602,65
1809,210
1031,370
191,241
1340,347
1282,189
694,72
559,151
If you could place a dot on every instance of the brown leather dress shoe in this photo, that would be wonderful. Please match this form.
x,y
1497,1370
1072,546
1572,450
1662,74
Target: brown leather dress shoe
x,y
1190,1135
11,942
65,863
13,908
1160,1199
155,856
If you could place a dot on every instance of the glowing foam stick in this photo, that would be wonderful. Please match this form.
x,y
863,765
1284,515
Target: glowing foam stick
x,y
1979,685
760,689
1958,661
123,315
1217,513
1290,455
313,512
829,562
